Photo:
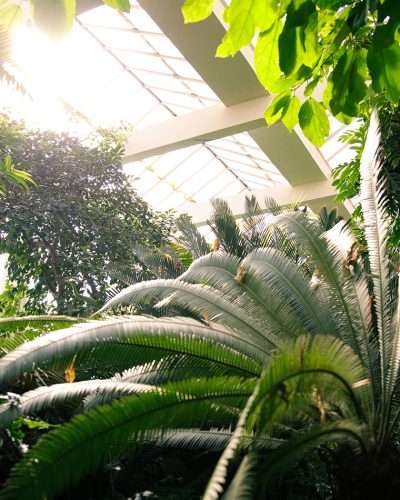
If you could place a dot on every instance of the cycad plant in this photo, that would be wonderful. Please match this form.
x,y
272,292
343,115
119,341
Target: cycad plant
x,y
274,365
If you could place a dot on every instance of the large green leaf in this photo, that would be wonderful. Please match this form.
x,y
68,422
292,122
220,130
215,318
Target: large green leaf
x,y
314,121
384,67
266,60
54,16
245,17
197,10
349,82
277,109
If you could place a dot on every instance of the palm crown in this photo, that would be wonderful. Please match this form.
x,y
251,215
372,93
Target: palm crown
x,y
269,346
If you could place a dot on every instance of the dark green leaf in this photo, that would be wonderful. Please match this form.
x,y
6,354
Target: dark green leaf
x,y
384,67
348,82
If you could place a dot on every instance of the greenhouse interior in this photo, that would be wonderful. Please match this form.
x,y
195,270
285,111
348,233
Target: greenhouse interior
x,y
199,249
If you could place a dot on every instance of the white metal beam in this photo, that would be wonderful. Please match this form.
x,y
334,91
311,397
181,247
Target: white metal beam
x,y
315,194
234,81
193,128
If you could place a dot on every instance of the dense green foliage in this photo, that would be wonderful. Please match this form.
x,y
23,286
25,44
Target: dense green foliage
x,y
349,49
275,364
80,215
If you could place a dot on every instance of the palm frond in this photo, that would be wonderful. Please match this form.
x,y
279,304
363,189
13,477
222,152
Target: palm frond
x,y
190,237
218,478
210,305
242,286
46,397
226,229
285,278
12,324
174,335
63,456
337,281
376,226
242,485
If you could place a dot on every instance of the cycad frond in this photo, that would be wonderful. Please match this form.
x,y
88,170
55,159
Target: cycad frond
x,y
226,229
216,483
243,483
337,281
242,286
45,397
204,301
84,444
174,335
376,226
190,237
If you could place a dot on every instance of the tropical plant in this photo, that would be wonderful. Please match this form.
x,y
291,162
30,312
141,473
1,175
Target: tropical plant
x,y
54,16
81,214
351,47
346,177
273,355
231,235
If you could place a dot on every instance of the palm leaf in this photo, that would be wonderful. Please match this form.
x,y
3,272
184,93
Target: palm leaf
x,y
43,398
169,334
63,456
376,226
211,305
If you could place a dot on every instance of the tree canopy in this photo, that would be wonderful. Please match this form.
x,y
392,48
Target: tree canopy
x,y
315,55
80,216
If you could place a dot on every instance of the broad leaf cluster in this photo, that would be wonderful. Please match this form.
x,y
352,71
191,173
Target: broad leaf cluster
x,y
316,56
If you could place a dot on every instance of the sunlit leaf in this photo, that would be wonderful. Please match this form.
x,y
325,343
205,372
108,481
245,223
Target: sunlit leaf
x,y
245,18
54,16
10,13
277,109
118,4
314,121
266,59
291,117
197,10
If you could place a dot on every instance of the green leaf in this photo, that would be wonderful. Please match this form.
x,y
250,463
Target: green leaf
x,y
311,87
277,109
266,59
298,42
348,82
245,18
197,10
291,117
54,16
384,67
314,121
10,13
118,4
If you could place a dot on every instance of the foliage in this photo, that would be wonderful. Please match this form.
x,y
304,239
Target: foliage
x,y
272,355
349,48
79,216
11,175
53,16
346,177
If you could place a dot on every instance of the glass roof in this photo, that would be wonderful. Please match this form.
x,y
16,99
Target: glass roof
x,y
225,167
116,69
